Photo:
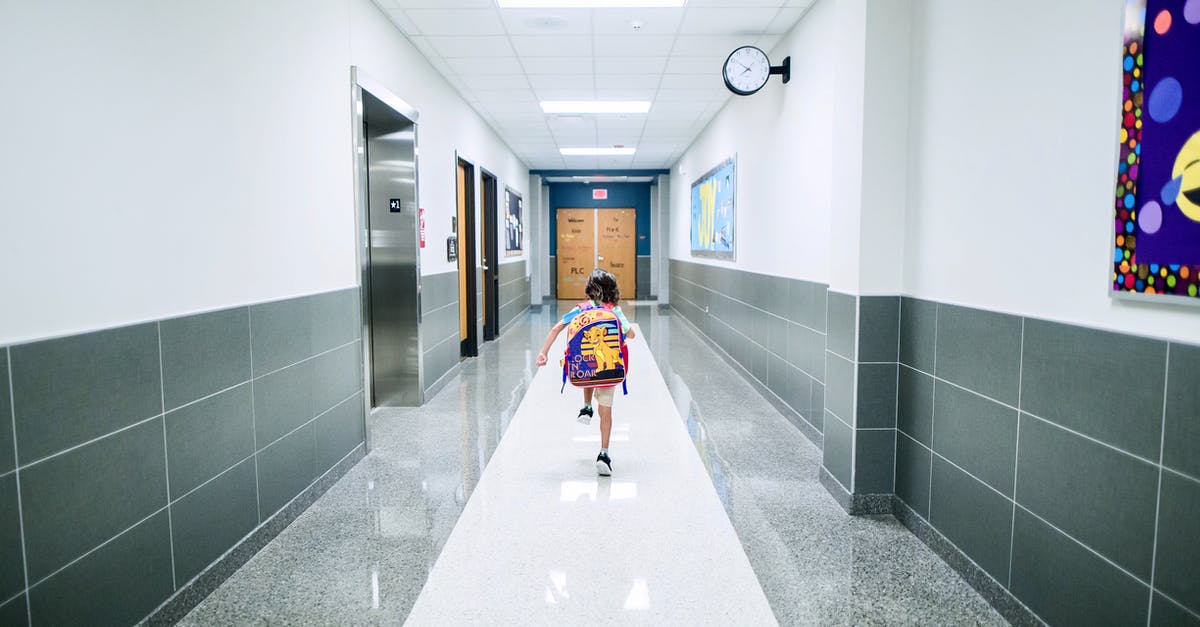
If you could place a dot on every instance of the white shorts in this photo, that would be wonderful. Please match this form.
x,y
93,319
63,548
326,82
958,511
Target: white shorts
x,y
603,396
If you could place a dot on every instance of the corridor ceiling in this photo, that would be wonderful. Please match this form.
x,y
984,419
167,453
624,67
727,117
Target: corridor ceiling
x,y
505,61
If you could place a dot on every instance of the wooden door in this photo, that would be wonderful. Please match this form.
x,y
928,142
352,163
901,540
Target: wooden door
x,y
616,249
576,251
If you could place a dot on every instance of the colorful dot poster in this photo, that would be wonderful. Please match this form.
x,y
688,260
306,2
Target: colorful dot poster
x,y
1157,214
713,212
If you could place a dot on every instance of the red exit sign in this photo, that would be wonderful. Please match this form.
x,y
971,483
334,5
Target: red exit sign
x,y
600,194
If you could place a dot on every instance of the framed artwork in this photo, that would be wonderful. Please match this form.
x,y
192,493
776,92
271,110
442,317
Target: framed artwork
x,y
1156,237
514,230
714,212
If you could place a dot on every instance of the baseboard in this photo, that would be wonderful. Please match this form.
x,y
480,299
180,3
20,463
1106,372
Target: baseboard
x,y
189,595
992,591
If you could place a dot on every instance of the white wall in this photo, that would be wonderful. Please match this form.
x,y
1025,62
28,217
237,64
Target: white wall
x,y
783,140
167,158
1013,150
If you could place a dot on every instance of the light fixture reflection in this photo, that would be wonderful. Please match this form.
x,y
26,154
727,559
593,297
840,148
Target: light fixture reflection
x,y
639,596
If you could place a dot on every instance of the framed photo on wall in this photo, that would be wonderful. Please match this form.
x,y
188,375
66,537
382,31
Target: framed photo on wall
x,y
514,229
714,212
1156,236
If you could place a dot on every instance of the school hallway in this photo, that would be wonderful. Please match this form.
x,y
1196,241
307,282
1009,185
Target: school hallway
x,y
484,506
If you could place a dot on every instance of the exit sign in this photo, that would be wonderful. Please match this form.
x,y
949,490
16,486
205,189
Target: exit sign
x,y
600,194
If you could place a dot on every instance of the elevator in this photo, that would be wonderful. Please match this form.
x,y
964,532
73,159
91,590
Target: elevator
x,y
389,252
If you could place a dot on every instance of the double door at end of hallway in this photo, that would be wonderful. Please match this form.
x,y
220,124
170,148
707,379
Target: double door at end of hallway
x,y
596,238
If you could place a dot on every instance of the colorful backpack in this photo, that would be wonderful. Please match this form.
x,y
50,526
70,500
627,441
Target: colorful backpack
x,y
596,355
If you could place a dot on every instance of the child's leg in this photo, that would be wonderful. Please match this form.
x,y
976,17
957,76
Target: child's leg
x,y
605,425
587,396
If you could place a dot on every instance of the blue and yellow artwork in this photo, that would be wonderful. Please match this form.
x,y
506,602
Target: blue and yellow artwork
x,y
714,212
1156,244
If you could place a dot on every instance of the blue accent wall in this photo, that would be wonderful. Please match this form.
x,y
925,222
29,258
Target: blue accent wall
x,y
620,196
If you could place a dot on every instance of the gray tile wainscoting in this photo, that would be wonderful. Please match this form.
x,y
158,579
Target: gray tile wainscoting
x,y
861,397
514,292
440,336
772,327
144,454
1057,460
643,278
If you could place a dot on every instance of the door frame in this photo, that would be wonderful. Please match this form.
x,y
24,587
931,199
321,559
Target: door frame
x,y
360,81
468,347
489,205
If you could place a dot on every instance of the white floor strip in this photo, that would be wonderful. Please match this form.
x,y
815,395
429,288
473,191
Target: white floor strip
x,y
543,540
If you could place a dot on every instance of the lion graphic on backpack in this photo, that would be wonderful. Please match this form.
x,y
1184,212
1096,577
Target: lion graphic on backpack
x,y
607,356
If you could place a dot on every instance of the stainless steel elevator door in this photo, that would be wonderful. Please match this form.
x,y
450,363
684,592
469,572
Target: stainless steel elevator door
x,y
393,265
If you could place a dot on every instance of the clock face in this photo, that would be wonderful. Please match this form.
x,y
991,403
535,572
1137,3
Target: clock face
x,y
746,70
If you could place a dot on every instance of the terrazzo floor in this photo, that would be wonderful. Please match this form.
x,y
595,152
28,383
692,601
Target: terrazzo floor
x,y
364,551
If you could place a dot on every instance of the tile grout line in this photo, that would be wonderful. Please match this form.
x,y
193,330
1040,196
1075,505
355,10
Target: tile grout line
x,y
1048,421
12,405
309,358
162,399
740,301
211,479
98,547
313,419
896,407
253,415
1106,559
1162,442
1012,530
854,346
932,413
750,340
91,441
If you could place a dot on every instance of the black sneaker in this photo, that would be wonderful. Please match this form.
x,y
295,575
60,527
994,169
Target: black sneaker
x,y
585,415
603,465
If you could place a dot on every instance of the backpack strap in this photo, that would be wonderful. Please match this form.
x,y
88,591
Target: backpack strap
x,y
564,381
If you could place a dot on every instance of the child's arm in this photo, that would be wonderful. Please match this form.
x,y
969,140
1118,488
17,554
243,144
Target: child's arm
x,y
541,358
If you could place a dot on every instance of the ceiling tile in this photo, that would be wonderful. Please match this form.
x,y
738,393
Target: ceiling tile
x,y
524,95
630,65
632,46
552,45
456,22
562,81
445,4
457,47
511,107
547,21
578,93
501,81
625,94
686,95
708,64
556,65
767,44
477,66
609,123
711,80
710,45
620,21
628,81
713,21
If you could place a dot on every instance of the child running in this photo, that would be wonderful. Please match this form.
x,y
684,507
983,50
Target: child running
x,y
603,292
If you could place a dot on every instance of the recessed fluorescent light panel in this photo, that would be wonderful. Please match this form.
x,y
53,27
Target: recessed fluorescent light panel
x,y
595,106
587,4
592,152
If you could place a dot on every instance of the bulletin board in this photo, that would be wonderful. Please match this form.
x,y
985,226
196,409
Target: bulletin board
x,y
1156,237
714,212
514,229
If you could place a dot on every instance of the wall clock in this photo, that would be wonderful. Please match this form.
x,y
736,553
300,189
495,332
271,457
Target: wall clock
x,y
747,69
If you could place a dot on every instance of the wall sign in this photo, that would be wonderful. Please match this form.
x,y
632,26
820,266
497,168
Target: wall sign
x,y
714,212
452,247
1156,237
394,205
600,194
422,226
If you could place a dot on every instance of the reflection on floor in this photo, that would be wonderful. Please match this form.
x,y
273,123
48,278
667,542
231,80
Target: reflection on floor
x,y
363,552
